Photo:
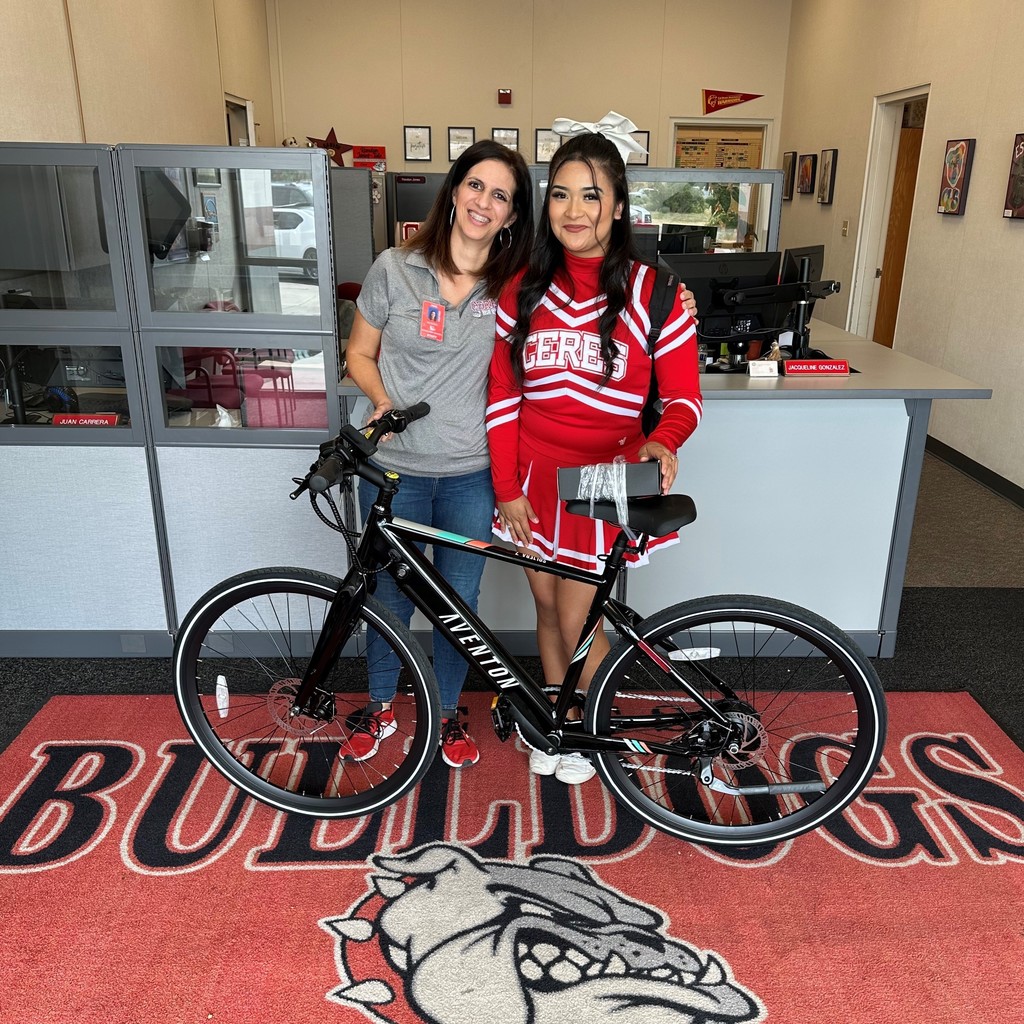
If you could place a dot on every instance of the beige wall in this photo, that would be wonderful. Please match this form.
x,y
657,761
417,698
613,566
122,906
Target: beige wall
x,y
152,71
38,93
367,70
111,71
962,302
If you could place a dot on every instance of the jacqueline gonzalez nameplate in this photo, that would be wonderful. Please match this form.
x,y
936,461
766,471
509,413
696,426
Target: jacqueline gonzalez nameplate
x,y
816,367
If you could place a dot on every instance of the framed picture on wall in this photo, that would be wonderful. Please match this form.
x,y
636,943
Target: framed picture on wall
x,y
459,140
417,142
1014,205
545,142
643,159
827,176
806,173
507,137
956,174
206,176
788,174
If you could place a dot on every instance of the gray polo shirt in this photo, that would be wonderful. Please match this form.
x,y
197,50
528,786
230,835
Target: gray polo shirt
x,y
451,374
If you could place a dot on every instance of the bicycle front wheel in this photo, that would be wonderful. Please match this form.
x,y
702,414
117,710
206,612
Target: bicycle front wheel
x,y
238,661
804,715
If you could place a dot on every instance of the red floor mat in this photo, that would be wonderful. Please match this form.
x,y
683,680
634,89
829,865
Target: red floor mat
x,y
139,887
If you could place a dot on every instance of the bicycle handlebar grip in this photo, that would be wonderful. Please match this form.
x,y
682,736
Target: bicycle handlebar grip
x,y
417,412
326,475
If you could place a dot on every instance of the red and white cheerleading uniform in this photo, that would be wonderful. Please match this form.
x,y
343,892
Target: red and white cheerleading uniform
x,y
562,415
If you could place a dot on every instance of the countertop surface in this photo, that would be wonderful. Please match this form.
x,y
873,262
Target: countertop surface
x,y
882,373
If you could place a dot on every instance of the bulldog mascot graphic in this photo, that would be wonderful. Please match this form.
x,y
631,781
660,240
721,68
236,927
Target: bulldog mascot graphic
x,y
447,938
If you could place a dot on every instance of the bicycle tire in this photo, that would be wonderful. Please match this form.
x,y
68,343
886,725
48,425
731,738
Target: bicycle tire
x,y
808,705
240,654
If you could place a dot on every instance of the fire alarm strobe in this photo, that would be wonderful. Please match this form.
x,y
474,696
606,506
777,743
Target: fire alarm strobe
x,y
504,97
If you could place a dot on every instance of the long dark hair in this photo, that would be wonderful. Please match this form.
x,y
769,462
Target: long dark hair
x,y
549,257
433,239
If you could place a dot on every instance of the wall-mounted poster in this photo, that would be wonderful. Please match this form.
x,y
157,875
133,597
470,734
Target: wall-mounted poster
x,y
956,173
827,176
806,169
1014,205
788,174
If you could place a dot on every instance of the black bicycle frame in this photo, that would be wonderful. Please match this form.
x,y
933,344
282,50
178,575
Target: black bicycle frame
x,y
389,544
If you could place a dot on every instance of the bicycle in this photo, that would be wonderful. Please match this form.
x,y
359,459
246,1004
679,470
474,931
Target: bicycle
x,y
728,721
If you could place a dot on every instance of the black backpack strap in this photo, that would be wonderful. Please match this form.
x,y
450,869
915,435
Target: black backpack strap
x,y
666,284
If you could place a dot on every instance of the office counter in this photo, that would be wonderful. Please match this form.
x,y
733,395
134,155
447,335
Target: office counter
x,y
805,491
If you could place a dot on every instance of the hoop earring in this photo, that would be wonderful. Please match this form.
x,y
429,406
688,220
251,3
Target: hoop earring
x,y
451,217
501,241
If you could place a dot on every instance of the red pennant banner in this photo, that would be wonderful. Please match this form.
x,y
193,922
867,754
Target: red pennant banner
x,y
717,99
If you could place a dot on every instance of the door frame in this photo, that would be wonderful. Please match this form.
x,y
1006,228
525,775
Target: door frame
x,y
883,145
250,123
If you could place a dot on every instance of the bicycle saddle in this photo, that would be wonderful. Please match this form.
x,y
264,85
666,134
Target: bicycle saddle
x,y
655,516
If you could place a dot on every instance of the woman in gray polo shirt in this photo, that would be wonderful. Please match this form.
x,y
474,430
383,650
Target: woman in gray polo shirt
x,y
424,332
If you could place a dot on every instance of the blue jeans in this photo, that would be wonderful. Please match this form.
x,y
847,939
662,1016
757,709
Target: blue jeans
x,y
457,504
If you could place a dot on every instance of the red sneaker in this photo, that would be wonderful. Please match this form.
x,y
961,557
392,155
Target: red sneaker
x,y
457,747
368,727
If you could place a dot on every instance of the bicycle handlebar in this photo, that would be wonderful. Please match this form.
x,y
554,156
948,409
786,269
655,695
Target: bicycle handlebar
x,y
351,450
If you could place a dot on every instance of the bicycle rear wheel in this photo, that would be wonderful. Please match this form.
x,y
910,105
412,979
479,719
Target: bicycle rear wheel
x,y
806,716
238,661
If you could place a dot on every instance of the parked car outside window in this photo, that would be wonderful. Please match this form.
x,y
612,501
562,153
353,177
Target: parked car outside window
x,y
292,193
295,237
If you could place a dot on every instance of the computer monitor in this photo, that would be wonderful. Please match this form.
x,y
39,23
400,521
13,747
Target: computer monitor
x,y
684,238
791,266
645,238
791,263
741,321
165,209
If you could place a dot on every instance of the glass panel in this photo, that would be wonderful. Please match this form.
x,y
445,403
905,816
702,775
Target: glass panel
x,y
243,387
706,216
229,240
69,385
53,242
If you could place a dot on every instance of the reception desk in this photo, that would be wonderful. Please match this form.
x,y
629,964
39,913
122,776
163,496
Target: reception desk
x,y
805,491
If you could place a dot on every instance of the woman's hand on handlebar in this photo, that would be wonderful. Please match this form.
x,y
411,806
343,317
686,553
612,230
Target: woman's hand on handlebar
x,y
516,517
383,406
668,460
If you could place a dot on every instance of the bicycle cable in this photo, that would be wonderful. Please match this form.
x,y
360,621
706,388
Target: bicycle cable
x,y
339,527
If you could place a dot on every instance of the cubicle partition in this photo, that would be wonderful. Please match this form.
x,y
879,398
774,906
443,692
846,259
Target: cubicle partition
x,y
169,360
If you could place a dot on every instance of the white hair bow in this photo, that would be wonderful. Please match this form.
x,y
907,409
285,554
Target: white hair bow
x,y
612,126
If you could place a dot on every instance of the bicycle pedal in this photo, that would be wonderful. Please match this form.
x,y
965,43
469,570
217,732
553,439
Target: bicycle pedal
x,y
501,717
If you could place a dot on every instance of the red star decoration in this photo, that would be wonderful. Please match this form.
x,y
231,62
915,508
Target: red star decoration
x,y
334,148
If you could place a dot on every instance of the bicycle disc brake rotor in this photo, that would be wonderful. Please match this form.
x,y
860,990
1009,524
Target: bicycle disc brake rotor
x,y
280,699
751,740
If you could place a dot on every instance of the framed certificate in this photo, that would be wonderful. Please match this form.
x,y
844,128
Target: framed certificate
x,y
508,137
417,142
546,142
459,140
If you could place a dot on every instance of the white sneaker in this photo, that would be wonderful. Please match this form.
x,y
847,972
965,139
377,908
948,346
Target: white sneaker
x,y
543,764
573,769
